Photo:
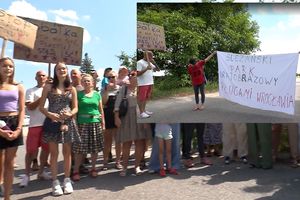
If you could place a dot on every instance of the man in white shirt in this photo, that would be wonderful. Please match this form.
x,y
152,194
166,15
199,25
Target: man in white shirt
x,y
145,69
76,79
35,132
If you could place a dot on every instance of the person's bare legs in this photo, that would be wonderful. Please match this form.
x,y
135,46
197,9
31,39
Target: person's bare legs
x,y
126,151
169,153
139,151
43,160
67,159
53,150
161,152
10,154
1,166
107,144
118,148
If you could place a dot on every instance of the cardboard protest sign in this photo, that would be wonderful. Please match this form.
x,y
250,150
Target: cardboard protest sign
x,y
17,30
266,82
54,43
150,36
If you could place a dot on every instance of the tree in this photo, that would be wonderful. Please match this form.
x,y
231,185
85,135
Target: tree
x,y
128,61
86,65
197,29
87,68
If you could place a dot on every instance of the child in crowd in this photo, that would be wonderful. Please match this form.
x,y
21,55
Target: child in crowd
x,y
163,132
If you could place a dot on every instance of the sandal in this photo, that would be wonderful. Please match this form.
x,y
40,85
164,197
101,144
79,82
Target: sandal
x,y
93,173
105,167
206,161
118,165
123,172
188,163
75,176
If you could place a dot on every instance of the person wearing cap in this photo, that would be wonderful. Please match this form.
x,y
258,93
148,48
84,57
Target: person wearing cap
x,y
105,80
145,80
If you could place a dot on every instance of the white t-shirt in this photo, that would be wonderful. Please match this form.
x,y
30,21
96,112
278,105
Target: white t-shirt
x,y
147,77
36,117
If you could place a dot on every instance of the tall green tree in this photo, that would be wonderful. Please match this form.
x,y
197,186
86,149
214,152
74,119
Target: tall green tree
x,y
128,61
196,30
88,68
86,65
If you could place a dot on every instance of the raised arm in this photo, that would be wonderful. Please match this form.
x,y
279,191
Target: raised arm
x,y
210,56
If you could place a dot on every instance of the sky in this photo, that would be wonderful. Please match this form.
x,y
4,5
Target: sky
x,y
110,27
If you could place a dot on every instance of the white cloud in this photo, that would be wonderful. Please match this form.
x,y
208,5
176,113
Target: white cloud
x,y
69,14
25,9
61,20
86,37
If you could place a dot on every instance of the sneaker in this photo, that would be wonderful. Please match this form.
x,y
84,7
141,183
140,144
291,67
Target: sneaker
x,y
162,172
148,112
44,176
56,188
138,171
68,188
227,160
24,181
244,160
144,115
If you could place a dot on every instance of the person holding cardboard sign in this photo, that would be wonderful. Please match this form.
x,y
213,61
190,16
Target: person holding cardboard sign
x,y
196,71
145,68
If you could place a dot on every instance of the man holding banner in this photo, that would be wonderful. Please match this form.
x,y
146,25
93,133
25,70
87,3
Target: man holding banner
x,y
196,71
145,69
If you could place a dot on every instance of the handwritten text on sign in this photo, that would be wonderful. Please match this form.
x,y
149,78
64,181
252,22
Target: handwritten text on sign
x,y
150,36
260,81
17,30
54,43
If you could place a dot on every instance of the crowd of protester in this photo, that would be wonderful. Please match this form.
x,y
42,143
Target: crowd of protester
x,y
69,111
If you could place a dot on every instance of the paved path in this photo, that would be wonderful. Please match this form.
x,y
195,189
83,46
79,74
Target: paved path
x,y
218,109
233,182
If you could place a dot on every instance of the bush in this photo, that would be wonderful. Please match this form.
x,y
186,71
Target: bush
x,y
171,82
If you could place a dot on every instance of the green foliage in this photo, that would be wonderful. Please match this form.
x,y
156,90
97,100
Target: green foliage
x,y
196,30
162,91
86,65
87,68
128,61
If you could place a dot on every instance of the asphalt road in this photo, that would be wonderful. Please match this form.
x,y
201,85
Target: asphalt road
x,y
233,182
217,109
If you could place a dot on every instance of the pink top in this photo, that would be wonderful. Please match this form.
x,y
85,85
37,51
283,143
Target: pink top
x,y
9,100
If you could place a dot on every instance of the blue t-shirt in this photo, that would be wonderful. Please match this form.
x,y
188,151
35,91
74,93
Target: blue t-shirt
x,y
104,83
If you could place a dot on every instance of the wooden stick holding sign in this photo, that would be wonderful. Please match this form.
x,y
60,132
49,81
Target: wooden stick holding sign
x,y
3,48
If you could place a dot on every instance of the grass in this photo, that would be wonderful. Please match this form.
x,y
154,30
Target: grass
x,y
182,91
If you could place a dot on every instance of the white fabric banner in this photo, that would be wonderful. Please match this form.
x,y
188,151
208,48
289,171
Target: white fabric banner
x,y
266,82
